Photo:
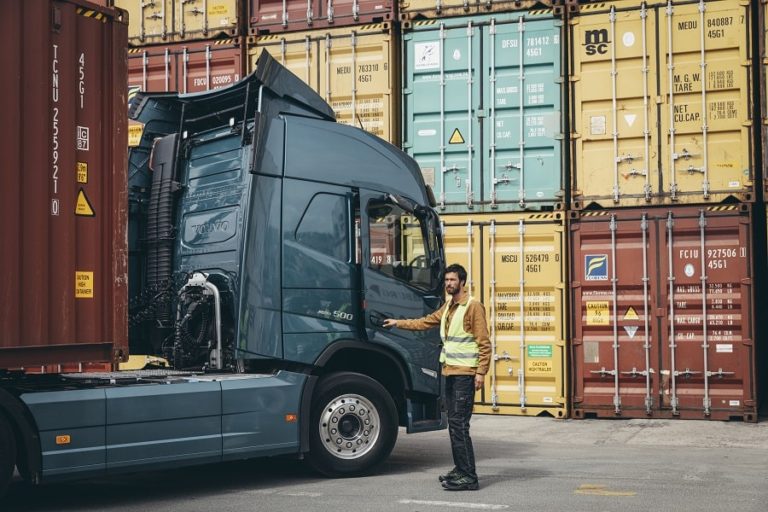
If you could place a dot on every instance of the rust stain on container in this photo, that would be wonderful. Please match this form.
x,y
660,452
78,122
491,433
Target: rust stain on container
x,y
516,268
662,103
278,16
355,70
663,313
187,67
65,274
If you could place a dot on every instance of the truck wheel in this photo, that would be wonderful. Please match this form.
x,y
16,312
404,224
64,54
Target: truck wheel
x,y
7,454
353,426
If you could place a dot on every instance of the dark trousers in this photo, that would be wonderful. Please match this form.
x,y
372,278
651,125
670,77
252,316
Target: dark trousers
x,y
459,399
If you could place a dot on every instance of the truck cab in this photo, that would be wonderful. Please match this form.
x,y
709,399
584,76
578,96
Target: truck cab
x,y
267,237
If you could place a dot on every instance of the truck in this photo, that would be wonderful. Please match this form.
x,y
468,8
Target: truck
x,y
247,239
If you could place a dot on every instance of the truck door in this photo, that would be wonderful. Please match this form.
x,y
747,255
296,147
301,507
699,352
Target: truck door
x,y
399,258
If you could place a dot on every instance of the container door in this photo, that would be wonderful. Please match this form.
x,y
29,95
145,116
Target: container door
x,y
462,238
615,369
298,53
613,93
210,66
205,18
275,15
150,22
355,73
706,118
708,346
524,283
523,96
441,109
398,282
152,71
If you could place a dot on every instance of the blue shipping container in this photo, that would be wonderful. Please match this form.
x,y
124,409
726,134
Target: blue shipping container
x,y
482,100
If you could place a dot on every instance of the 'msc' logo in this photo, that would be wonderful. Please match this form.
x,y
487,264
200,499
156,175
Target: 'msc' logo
x,y
596,41
596,267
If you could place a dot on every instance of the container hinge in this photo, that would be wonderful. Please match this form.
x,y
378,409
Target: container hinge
x,y
719,373
635,172
603,372
684,154
686,373
636,373
625,158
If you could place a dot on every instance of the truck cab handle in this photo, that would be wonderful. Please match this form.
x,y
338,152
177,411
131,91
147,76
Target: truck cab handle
x,y
377,319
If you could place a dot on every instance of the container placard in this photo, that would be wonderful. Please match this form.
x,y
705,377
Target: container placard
x,y
83,284
539,350
597,313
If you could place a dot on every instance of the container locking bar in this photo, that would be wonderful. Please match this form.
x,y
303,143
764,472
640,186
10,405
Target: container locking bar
x,y
494,393
614,285
521,373
672,334
707,400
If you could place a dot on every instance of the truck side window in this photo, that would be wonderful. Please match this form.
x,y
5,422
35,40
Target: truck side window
x,y
397,244
324,226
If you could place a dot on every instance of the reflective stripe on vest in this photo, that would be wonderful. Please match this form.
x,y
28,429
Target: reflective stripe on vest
x,y
459,347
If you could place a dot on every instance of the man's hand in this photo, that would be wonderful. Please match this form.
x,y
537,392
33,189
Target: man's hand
x,y
479,380
389,322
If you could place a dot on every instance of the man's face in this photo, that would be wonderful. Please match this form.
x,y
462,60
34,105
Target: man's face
x,y
452,283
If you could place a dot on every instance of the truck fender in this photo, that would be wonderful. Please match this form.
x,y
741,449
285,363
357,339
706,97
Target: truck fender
x,y
322,360
30,457
335,347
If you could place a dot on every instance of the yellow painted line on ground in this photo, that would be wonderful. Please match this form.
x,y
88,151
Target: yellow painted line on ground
x,y
601,490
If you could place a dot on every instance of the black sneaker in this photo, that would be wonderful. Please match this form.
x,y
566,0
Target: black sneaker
x,y
463,483
451,475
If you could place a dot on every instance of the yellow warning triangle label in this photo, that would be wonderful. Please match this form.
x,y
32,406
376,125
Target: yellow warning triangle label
x,y
456,137
83,206
631,314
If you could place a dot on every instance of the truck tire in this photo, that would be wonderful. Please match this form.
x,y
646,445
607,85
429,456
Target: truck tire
x,y
353,425
7,454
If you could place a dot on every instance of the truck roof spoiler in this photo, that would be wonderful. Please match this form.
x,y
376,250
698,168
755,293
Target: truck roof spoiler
x,y
269,73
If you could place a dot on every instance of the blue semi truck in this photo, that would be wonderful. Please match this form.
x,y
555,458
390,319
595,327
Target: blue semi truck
x,y
267,243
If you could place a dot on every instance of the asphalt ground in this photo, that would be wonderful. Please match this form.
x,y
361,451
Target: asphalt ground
x,y
524,464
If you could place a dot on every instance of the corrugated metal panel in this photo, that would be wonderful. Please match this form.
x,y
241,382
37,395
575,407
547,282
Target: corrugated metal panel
x,y
416,9
279,16
63,204
509,256
188,67
481,110
661,103
353,69
162,21
663,313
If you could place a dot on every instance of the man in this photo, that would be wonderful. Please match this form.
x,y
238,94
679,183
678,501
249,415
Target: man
x,y
466,356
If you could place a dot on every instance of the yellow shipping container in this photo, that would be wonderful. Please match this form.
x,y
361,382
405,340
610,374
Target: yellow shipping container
x,y
163,21
353,68
661,104
516,266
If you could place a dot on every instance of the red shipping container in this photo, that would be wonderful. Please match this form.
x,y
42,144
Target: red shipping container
x,y
186,67
663,313
273,16
63,202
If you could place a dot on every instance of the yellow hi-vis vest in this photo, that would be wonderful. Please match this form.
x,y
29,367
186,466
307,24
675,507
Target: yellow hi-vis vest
x,y
459,347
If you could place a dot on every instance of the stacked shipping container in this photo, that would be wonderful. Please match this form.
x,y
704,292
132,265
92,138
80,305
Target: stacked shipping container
x,y
482,115
565,146
662,270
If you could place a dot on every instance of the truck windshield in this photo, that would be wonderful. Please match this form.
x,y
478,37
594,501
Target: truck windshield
x,y
401,244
